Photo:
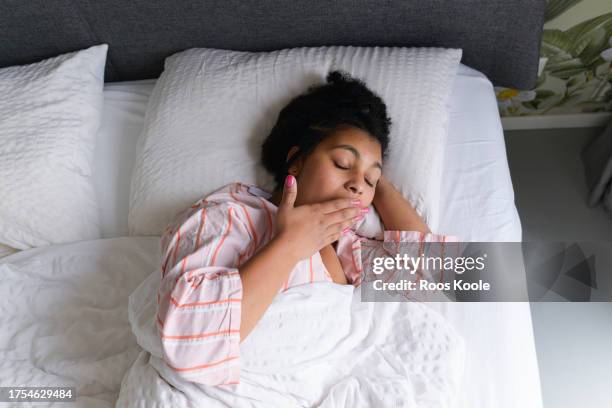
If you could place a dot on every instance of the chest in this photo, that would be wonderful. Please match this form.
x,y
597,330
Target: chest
x,y
332,264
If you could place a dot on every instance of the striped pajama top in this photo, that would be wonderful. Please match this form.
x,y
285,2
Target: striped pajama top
x,y
200,293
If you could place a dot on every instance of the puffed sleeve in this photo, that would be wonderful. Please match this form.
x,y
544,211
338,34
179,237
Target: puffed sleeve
x,y
371,230
414,243
358,251
394,242
416,236
200,294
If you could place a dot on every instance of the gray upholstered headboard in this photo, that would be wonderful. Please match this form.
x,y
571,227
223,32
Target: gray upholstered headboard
x,y
501,38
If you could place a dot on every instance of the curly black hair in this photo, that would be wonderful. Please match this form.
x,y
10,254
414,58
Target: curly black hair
x,y
319,112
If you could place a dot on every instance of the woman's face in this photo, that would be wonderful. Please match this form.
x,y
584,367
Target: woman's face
x,y
346,164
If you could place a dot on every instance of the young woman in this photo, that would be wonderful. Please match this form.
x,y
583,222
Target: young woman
x,y
226,257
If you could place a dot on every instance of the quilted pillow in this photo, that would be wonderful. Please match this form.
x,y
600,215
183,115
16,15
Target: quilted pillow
x,y
49,114
211,110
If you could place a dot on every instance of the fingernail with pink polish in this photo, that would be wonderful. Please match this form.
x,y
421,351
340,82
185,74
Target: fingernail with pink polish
x,y
289,180
346,230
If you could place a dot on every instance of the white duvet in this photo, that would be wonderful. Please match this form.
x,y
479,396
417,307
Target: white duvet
x,y
64,322
63,316
317,345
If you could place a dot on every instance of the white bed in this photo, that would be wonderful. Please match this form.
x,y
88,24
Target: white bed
x,y
64,307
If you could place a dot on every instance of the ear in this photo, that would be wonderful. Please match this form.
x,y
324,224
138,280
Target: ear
x,y
296,166
291,152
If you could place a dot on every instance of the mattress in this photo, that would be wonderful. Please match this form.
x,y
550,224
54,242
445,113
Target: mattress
x,y
64,308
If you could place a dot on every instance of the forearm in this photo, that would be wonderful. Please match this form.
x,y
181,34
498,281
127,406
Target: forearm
x,y
262,277
395,211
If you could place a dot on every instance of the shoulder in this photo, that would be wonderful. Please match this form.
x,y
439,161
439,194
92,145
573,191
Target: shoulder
x,y
234,194
229,198
242,200
214,204
246,203
222,210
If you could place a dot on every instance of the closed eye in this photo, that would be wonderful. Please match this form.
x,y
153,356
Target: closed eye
x,y
340,167
346,168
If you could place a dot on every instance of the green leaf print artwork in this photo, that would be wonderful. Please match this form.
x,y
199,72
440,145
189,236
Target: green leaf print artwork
x,y
575,72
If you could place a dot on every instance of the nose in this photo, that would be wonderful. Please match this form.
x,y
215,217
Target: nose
x,y
355,187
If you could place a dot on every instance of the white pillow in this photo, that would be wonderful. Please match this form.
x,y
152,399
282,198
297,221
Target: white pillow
x,y
49,114
211,110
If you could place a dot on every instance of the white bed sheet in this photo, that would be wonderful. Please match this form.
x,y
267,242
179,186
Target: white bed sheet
x,y
63,313
477,195
125,104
